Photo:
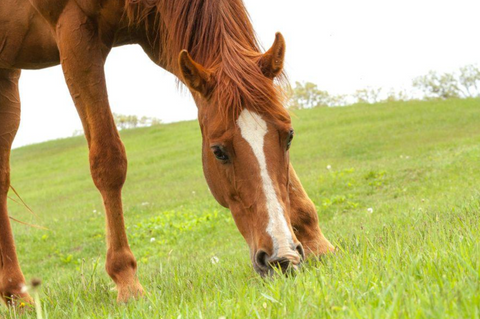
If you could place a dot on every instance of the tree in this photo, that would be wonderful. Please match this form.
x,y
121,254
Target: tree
x,y
149,121
125,121
340,100
462,84
469,80
77,133
434,85
132,121
401,95
368,95
307,95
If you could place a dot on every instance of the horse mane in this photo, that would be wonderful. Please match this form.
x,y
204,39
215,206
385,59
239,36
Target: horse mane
x,y
219,35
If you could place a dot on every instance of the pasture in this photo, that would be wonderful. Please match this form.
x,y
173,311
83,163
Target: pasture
x,y
396,185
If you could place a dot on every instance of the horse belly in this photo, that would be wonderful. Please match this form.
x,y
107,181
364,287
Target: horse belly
x,y
26,40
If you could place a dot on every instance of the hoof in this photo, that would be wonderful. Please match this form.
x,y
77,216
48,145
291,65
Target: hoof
x,y
130,292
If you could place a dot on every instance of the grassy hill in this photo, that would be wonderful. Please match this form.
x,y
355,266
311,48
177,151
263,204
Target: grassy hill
x,y
417,255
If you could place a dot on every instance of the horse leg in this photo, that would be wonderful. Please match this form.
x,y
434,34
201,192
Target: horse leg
x,y
11,277
304,220
83,56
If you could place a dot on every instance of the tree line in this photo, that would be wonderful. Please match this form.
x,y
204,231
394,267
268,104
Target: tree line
x,y
128,121
133,121
463,83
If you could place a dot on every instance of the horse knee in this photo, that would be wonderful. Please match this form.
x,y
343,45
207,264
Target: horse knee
x,y
108,164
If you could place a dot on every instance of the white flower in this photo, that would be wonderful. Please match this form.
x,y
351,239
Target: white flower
x,y
329,167
194,192
94,211
370,210
152,240
214,260
145,203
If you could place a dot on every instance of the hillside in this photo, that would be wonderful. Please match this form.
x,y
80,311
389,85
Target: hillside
x,y
415,164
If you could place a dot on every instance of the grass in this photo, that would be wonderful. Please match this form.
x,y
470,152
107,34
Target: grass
x,y
414,254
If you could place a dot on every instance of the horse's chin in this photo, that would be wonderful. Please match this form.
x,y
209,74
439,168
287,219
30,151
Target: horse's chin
x,y
263,273
270,273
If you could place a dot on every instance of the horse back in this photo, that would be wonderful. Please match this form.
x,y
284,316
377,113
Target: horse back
x,y
27,28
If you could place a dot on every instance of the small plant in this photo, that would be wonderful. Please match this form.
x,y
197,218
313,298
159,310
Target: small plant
x,y
376,179
36,296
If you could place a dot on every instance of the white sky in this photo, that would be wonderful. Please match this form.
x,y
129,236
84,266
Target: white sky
x,y
341,45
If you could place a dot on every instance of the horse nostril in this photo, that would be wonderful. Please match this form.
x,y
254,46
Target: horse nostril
x,y
300,250
261,259
282,264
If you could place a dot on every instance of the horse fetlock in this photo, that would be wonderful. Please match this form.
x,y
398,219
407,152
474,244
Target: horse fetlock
x,y
121,265
129,291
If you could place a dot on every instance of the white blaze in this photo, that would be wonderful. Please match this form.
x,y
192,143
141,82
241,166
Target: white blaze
x,y
253,129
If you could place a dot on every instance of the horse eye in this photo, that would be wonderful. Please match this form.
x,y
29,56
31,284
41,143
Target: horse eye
x,y
290,138
220,153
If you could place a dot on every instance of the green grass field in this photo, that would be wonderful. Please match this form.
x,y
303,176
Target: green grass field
x,y
416,255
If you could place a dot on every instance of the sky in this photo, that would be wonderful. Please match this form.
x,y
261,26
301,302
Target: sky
x,y
340,45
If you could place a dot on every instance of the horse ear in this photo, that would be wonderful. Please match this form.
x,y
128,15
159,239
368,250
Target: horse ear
x,y
271,62
195,76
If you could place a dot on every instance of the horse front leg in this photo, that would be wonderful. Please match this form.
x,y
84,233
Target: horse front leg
x,y
11,276
304,220
83,56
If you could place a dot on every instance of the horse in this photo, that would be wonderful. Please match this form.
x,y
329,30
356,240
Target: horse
x,y
211,47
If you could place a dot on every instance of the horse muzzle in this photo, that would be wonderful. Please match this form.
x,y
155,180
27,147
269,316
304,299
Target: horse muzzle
x,y
286,262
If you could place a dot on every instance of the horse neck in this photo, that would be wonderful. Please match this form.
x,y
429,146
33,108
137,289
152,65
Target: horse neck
x,y
153,32
154,44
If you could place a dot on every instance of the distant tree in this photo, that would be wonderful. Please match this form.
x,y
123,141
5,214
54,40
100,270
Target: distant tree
x,y
125,121
307,95
462,84
435,85
132,121
340,100
77,133
154,121
469,80
400,95
368,95
149,121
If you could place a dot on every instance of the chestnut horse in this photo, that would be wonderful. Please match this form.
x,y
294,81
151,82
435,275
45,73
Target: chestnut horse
x,y
211,47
